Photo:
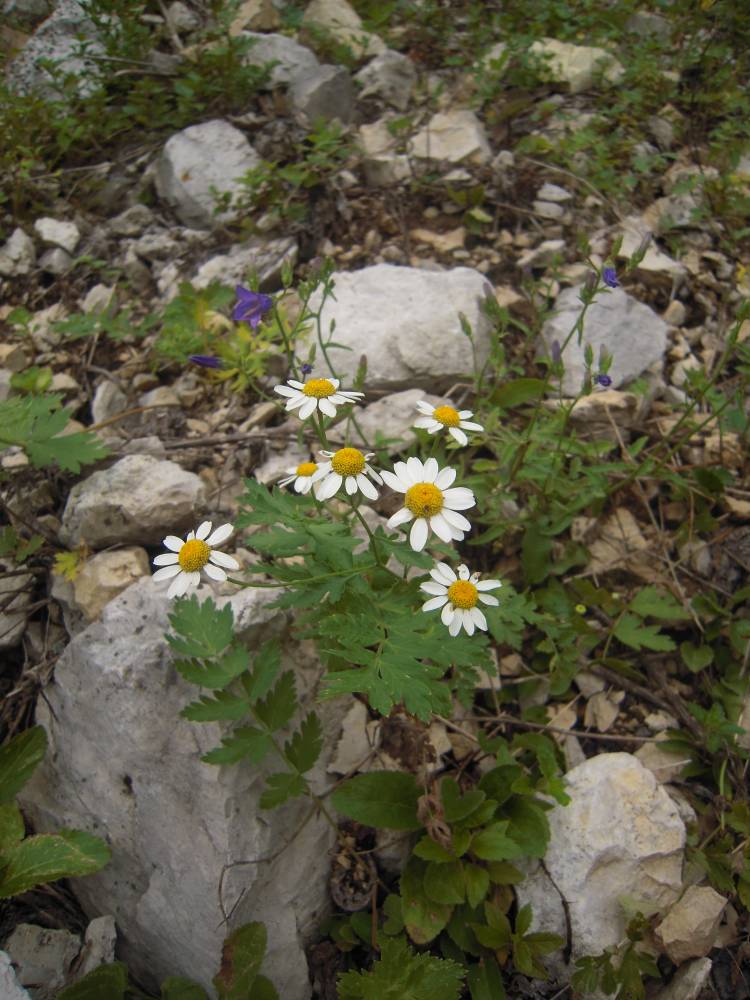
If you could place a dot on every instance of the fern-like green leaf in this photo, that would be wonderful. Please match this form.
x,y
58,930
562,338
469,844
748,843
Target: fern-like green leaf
x,y
400,974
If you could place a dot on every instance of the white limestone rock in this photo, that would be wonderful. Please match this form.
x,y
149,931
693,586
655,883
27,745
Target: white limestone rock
x,y
198,160
137,500
405,320
341,20
325,92
453,137
124,765
58,39
104,576
688,982
13,615
260,255
627,329
290,57
17,255
620,836
575,65
42,956
10,988
58,233
390,76
689,929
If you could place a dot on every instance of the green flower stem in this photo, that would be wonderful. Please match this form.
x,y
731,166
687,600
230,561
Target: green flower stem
x,y
373,544
310,579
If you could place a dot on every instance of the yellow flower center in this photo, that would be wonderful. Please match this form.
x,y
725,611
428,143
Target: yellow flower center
x,y
319,388
424,500
348,462
447,416
193,555
306,468
462,594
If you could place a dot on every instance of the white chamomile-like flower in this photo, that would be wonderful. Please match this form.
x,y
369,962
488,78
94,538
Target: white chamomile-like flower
x,y
457,595
321,394
347,466
446,417
185,560
429,502
303,476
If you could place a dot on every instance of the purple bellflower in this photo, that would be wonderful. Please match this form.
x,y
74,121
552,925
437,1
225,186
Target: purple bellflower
x,y
609,277
603,380
206,360
250,306
306,369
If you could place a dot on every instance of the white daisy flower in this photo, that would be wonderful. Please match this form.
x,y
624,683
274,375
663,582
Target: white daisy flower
x,y
347,466
185,560
457,595
303,476
429,502
316,394
446,417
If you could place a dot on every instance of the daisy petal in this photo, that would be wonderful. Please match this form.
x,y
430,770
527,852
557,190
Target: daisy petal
x,y
222,559
488,585
399,518
431,587
393,481
442,571
415,469
418,534
435,602
455,626
350,485
214,572
456,520
284,390
463,572
327,407
468,622
166,559
478,619
459,498
445,478
467,425
179,585
220,535
307,408
173,542
441,528
489,599
458,435
330,485
431,469
166,573
447,614
424,407
366,487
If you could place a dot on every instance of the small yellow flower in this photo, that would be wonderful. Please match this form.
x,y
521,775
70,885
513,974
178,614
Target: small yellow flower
x,y
186,560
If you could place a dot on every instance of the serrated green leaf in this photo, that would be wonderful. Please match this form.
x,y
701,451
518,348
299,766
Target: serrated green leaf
x,y
11,826
241,958
494,844
694,657
400,974
477,881
282,787
523,919
455,806
266,666
520,390
46,857
423,918
223,706
485,981
277,709
247,741
263,989
393,912
178,988
202,631
429,850
304,748
631,631
110,981
529,826
655,603
217,672
380,799
36,424
444,882
18,760
504,873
